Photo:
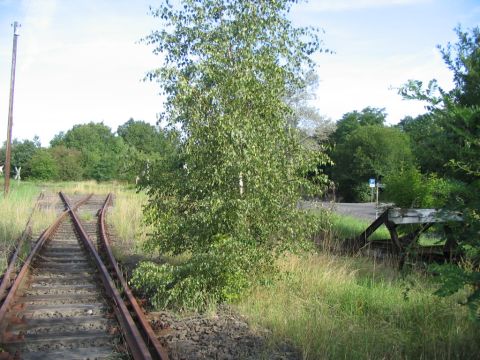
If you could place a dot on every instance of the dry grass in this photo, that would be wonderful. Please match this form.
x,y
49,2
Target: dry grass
x,y
17,207
127,219
85,187
14,212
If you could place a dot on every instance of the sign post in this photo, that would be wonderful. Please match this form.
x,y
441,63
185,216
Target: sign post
x,y
371,184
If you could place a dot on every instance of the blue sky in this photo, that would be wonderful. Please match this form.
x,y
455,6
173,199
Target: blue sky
x,y
80,61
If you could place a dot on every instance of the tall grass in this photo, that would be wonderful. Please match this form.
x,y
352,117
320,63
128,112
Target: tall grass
x,y
14,212
345,308
334,229
85,187
126,217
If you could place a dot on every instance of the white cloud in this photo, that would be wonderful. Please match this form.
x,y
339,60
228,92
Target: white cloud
x,y
39,13
35,26
345,88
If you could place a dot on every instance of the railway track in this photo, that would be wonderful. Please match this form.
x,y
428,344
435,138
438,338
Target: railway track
x,y
69,299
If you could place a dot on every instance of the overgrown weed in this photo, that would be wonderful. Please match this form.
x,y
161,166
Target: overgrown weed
x,y
341,307
14,212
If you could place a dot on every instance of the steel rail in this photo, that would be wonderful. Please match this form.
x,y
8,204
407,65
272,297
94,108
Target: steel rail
x,y
26,265
132,335
157,350
6,279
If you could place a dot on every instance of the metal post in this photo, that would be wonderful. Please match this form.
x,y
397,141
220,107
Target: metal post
x,y
16,25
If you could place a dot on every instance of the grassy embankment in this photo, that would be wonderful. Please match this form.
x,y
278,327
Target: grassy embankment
x,y
337,308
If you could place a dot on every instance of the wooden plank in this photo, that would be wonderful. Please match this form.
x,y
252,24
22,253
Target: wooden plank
x,y
421,216
361,240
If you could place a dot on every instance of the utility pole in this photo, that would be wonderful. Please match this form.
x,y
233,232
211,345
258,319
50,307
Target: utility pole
x,y
16,25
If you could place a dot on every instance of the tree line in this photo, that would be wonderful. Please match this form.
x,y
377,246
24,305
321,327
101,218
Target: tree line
x,y
93,151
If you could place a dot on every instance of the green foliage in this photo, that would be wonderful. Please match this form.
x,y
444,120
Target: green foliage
x,y
355,119
363,192
368,151
69,162
238,174
457,112
428,139
145,145
43,165
219,274
408,188
142,136
100,149
22,152
456,279
463,59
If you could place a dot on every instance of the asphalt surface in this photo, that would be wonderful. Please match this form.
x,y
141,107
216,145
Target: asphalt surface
x,y
364,211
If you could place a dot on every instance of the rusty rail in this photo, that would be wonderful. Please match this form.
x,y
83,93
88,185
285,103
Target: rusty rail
x,y
132,335
157,351
26,265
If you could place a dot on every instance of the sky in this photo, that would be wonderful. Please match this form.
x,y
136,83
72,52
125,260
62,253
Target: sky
x,y
81,60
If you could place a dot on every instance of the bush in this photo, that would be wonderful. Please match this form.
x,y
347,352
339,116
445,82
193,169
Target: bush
x,y
220,274
69,163
410,189
363,192
43,166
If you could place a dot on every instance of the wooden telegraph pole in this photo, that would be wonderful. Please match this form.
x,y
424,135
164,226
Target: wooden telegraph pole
x,y
16,25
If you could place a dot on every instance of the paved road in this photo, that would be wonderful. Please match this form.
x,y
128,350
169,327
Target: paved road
x,y
365,211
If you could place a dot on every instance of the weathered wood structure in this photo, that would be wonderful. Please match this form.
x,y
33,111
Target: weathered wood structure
x,y
394,217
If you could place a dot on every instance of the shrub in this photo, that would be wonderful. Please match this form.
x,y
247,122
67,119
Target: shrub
x,y
43,166
69,163
219,274
409,188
